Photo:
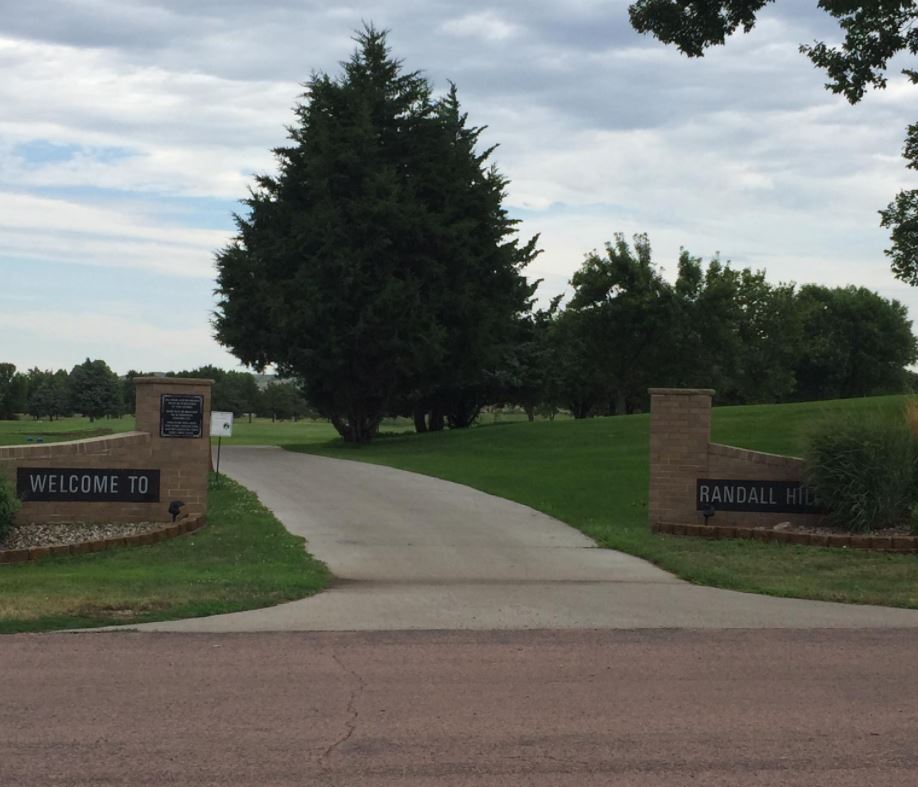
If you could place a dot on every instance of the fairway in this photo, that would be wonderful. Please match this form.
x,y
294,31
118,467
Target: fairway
x,y
29,430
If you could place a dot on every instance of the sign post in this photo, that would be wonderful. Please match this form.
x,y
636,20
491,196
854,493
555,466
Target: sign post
x,y
221,425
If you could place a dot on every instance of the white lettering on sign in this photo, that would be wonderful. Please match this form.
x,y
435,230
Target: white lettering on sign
x,y
762,496
54,484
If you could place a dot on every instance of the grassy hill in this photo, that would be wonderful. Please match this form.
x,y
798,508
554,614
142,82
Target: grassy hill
x,y
593,474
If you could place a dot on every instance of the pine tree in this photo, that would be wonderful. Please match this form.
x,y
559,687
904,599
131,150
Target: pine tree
x,y
351,263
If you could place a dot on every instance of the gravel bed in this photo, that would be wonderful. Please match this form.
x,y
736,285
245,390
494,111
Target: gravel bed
x,y
830,531
45,535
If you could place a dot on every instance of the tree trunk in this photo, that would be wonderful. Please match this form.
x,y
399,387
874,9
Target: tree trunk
x,y
530,413
356,427
420,420
463,413
435,422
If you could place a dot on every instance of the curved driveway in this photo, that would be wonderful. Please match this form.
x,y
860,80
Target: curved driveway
x,y
414,552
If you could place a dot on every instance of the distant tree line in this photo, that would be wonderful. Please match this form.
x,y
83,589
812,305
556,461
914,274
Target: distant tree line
x,y
93,390
624,329
90,388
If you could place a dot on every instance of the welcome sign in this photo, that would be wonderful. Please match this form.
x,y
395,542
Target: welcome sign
x,y
779,497
43,484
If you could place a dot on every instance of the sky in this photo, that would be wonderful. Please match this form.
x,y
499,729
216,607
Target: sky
x,y
129,131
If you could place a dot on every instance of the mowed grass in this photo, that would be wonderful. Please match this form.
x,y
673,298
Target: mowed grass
x,y
593,474
260,431
27,430
242,559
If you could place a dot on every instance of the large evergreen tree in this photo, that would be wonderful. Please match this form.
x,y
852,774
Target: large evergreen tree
x,y
356,267
481,292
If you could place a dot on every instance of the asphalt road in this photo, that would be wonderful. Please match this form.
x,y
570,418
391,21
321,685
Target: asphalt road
x,y
411,709
555,664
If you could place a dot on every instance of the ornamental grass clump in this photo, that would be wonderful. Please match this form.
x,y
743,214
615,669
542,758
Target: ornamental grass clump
x,y
9,505
864,469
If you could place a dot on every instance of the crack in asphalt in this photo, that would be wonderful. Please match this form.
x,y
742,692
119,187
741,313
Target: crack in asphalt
x,y
350,723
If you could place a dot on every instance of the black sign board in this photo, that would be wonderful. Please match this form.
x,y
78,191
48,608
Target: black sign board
x,y
181,415
779,497
69,485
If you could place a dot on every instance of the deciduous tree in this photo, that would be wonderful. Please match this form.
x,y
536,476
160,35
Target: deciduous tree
x,y
875,31
95,390
13,391
49,394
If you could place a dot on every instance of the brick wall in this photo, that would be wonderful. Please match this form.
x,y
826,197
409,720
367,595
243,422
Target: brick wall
x,y
183,463
680,428
681,452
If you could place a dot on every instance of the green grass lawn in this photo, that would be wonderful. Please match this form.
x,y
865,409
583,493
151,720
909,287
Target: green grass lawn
x,y
259,432
242,559
593,474
28,430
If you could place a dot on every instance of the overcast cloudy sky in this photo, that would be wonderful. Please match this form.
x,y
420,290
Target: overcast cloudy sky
x,y
129,131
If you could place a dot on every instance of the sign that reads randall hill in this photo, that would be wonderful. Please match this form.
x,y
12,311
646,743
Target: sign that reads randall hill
x,y
181,415
779,497
56,484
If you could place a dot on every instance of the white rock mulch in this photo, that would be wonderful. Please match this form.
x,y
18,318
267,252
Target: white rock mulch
x,y
45,535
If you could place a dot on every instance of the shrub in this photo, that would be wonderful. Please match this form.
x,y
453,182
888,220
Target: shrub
x,y
864,469
9,505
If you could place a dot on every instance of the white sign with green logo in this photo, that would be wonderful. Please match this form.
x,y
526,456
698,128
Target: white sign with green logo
x,y
221,424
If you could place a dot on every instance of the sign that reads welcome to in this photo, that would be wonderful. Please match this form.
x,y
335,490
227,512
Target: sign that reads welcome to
x,y
779,497
68,485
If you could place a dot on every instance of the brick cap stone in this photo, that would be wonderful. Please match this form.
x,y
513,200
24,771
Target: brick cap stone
x,y
681,391
759,457
171,381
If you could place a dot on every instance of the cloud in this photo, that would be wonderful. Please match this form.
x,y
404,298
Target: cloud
x,y
485,26
129,128
53,229
60,338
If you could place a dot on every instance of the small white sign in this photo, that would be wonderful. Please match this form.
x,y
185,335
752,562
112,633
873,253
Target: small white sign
x,y
221,424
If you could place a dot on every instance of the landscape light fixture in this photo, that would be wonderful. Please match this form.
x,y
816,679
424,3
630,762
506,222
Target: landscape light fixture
x,y
175,508
707,512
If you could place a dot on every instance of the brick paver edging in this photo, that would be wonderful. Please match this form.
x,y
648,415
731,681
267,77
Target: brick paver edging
x,y
164,533
900,544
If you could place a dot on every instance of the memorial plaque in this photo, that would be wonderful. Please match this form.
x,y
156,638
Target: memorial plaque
x,y
69,485
181,415
778,497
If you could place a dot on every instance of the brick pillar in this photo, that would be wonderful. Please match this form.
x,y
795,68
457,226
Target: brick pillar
x,y
178,449
680,430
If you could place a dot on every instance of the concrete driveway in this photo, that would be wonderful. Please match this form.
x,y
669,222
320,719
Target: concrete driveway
x,y
414,552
